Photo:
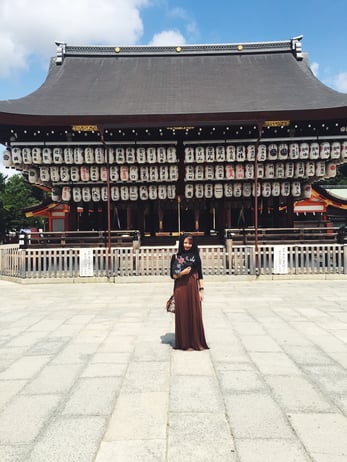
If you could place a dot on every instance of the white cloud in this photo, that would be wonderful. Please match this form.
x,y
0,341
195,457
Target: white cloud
x,y
168,37
340,82
30,27
315,68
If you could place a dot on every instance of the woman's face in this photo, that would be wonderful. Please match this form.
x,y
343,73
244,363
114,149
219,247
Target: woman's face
x,y
187,244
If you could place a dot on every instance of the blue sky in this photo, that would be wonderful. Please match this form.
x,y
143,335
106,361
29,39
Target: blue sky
x,y
29,28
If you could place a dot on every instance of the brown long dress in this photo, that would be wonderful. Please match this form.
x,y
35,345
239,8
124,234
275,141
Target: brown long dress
x,y
189,329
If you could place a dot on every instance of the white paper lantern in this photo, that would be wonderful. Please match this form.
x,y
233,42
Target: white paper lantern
x,y
218,190
103,173
141,155
189,191
247,189
324,152
250,153
99,155
262,151
289,169
294,151
237,189
57,155
133,173
209,172
144,174
249,171
94,173
85,176
16,155
189,173
171,191
68,156
231,153
66,194
115,193
335,150
314,151
130,155
153,173
47,155
104,193
171,154
331,170
151,155
96,195
173,173
153,192
64,173
220,154
344,150
75,173
76,194
260,170
307,191
199,172
320,169
240,153
208,190
189,155
266,189
26,155
310,168
300,170
161,155
7,158
56,194
239,172
33,175
143,193
269,170
44,174
109,155
279,170
164,173
199,154
296,189
219,172
210,154
304,151
162,194
272,153
124,173
78,155
199,191
228,190
276,188
285,188
36,155
120,155
133,193
89,155
86,194
229,172
283,151
258,189
55,173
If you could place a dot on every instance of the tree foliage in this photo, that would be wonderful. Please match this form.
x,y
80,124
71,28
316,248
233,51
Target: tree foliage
x,y
17,194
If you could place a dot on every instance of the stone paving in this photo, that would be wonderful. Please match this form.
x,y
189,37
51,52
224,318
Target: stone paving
x,y
88,373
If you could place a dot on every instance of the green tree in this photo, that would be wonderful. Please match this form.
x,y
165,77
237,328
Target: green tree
x,y
15,195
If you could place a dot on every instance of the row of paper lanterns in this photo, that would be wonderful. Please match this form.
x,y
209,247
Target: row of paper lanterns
x,y
78,155
162,192
169,173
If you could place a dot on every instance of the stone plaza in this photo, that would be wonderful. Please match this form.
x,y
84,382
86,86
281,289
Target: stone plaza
x,y
88,373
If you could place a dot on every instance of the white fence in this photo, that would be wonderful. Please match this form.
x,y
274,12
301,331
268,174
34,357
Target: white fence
x,y
64,263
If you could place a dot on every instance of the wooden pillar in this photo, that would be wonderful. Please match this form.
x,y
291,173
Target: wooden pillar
x,y
129,218
196,219
161,218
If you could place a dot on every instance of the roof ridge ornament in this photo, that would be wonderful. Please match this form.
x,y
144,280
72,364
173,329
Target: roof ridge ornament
x,y
297,47
61,46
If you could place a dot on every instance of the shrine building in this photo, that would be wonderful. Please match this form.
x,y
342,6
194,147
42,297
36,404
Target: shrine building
x,y
169,139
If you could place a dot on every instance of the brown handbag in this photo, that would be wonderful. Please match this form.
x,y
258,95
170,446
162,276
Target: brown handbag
x,y
170,305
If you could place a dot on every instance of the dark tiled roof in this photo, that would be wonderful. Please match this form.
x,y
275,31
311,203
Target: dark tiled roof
x,y
152,84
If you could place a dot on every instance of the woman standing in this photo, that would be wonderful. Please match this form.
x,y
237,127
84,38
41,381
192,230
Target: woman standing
x,y
186,270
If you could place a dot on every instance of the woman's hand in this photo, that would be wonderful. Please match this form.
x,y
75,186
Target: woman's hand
x,y
185,271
